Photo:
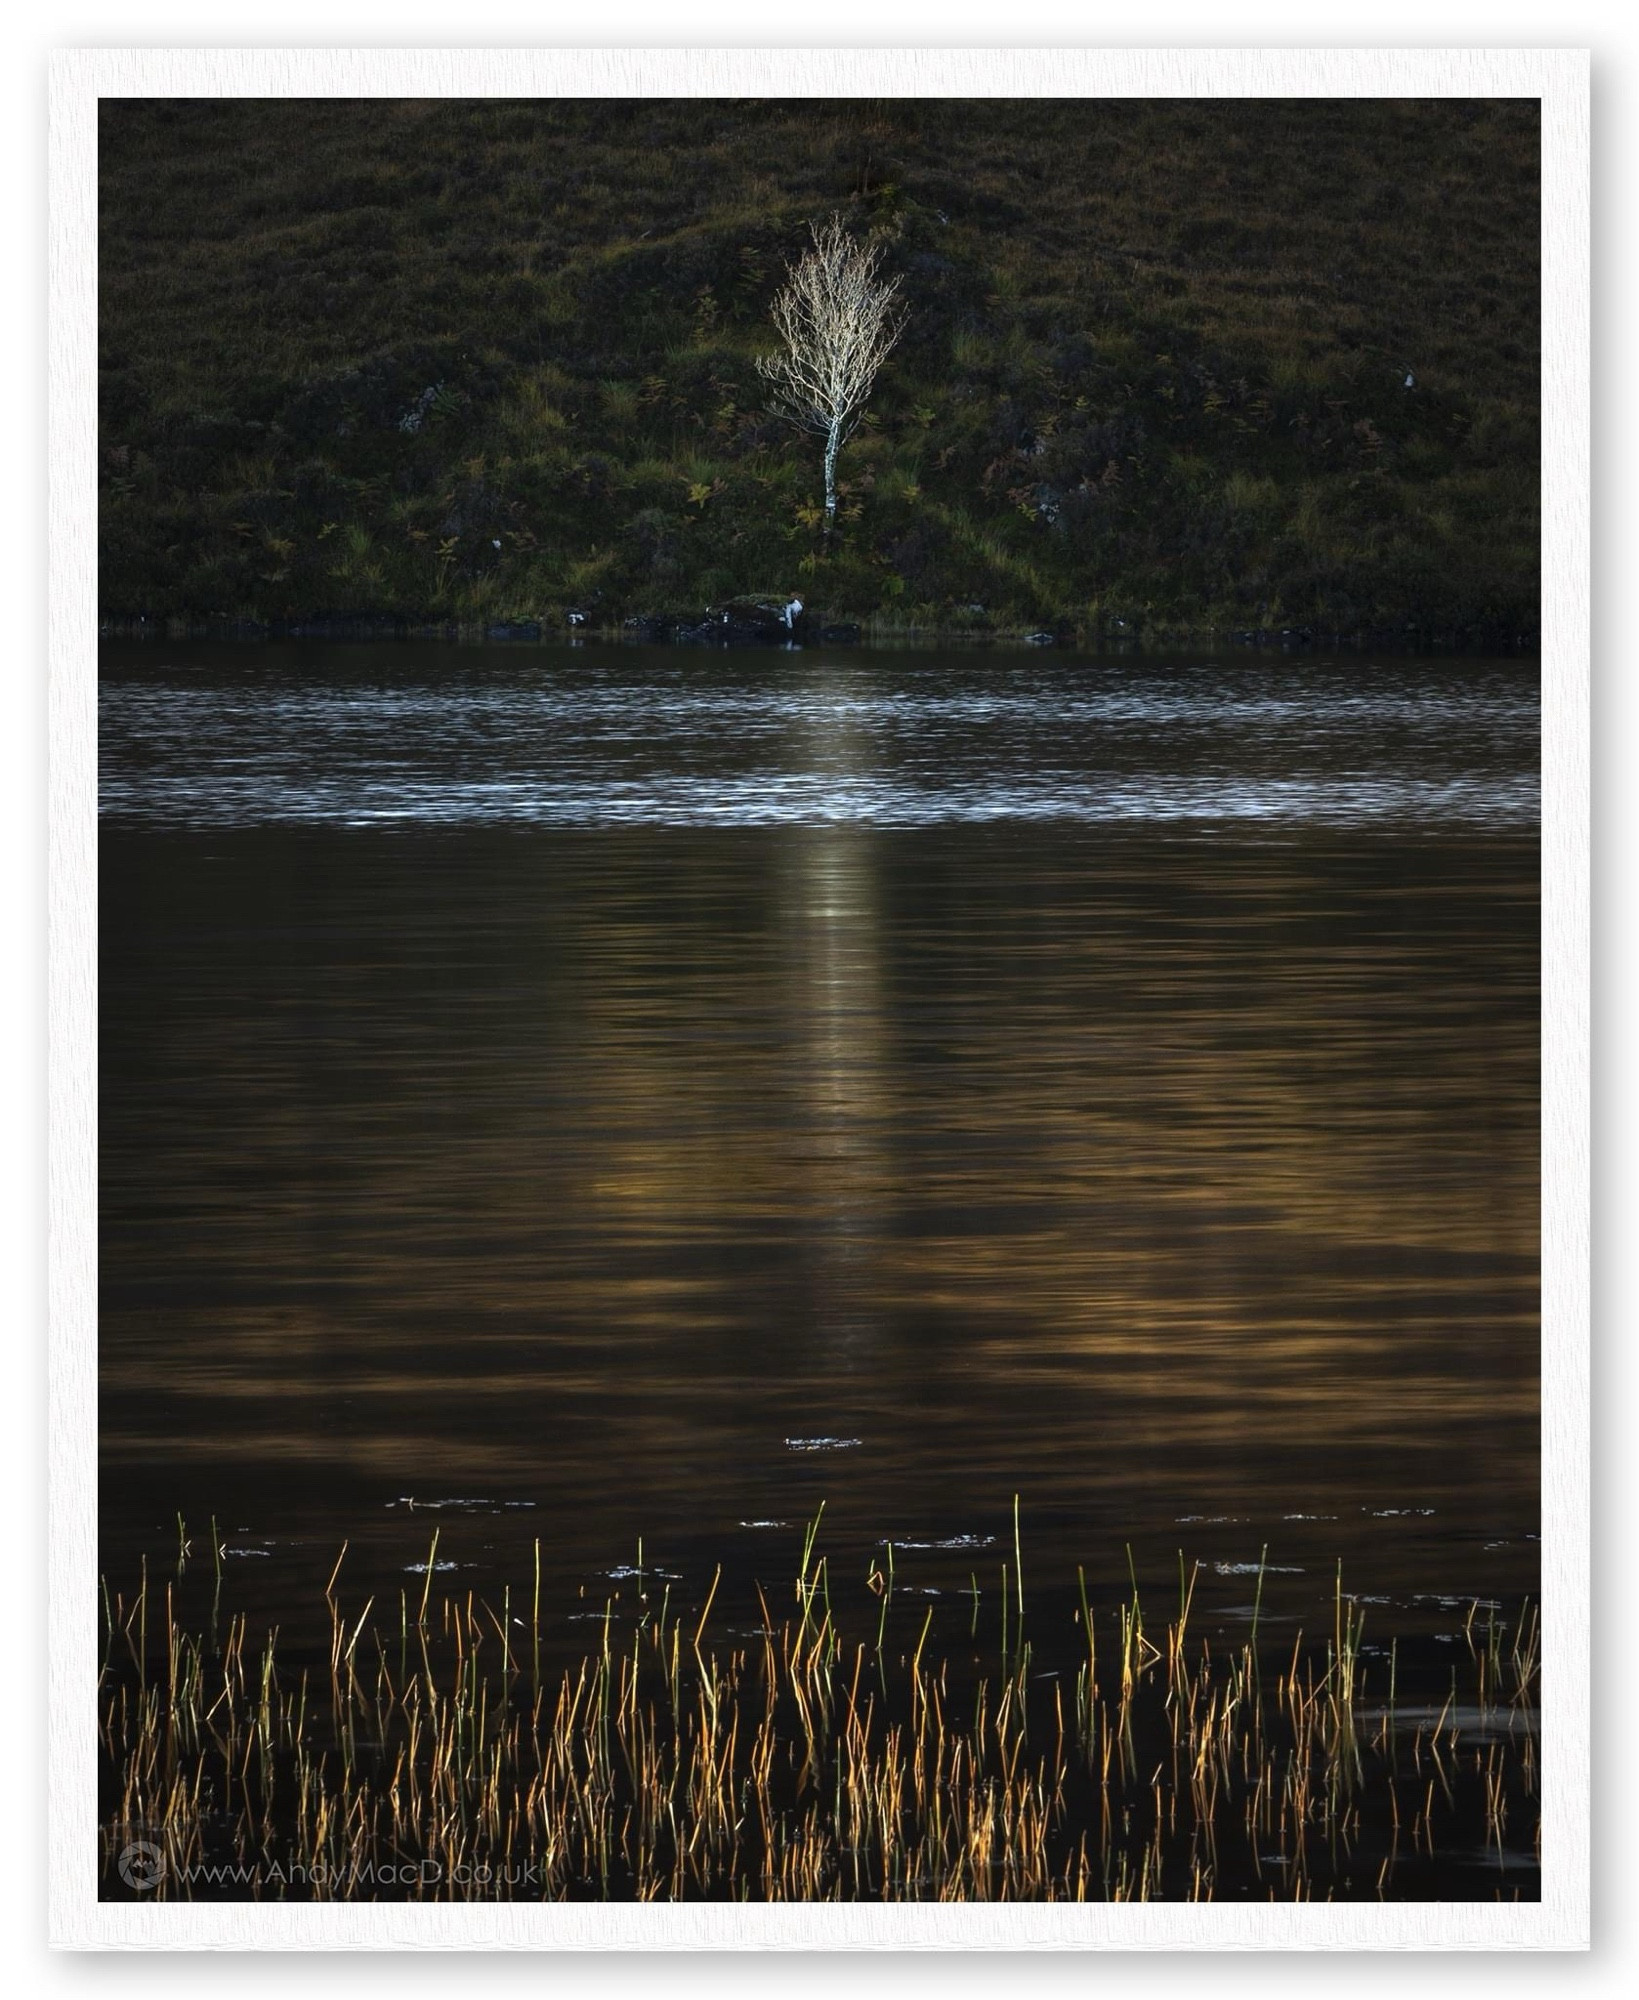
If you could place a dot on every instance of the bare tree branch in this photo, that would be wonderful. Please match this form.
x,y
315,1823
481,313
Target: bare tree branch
x,y
839,323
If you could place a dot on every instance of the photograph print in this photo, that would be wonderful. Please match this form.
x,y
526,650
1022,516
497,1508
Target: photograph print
x,y
819,1000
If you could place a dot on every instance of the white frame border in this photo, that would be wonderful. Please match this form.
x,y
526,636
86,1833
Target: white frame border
x,y
1560,78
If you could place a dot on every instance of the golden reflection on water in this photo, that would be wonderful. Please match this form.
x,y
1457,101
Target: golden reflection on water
x,y
833,998
1152,1180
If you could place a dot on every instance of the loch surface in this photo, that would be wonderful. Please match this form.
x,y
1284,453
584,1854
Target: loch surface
x,y
566,1095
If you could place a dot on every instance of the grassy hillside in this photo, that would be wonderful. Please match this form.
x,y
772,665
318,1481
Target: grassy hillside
x,y
485,360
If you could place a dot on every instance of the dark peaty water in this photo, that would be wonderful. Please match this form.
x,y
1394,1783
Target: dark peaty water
x,y
607,1093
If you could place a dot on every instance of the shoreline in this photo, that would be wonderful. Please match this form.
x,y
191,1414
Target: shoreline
x,y
868,635
831,1753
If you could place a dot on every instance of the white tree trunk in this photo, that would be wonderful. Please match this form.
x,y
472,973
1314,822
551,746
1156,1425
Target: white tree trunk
x,y
838,325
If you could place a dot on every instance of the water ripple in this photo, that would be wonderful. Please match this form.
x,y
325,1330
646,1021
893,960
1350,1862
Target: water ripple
x,y
374,737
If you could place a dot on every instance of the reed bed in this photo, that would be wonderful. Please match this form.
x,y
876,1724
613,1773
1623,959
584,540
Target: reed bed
x,y
430,1755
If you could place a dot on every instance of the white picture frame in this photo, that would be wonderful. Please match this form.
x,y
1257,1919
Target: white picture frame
x,y
1560,79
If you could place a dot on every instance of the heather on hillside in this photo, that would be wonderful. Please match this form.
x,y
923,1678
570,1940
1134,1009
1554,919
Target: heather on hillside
x,y
1167,367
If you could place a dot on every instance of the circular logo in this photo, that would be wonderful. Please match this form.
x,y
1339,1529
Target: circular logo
x,y
141,1865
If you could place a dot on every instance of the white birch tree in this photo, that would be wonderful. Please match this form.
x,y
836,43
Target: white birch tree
x,y
839,323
